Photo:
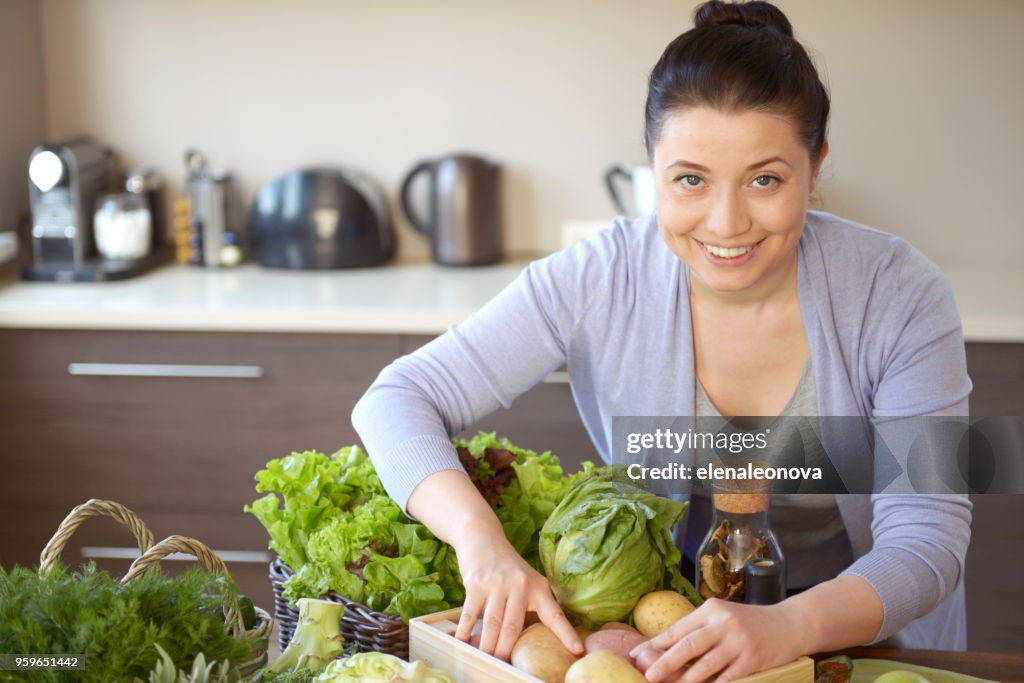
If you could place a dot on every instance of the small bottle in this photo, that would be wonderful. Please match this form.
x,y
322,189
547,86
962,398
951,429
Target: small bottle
x,y
739,536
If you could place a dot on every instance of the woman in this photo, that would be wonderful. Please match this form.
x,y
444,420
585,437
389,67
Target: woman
x,y
733,297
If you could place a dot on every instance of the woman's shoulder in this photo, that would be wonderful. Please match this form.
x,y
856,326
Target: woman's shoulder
x,y
850,254
623,251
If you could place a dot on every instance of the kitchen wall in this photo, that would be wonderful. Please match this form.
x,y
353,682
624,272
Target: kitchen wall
x,y
22,114
926,139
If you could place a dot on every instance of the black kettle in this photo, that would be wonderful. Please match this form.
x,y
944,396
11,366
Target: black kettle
x,y
463,220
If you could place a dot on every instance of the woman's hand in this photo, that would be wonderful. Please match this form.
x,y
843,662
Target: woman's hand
x,y
501,587
727,639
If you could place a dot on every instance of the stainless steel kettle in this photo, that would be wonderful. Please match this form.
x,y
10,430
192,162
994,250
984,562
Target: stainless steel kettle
x,y
463,221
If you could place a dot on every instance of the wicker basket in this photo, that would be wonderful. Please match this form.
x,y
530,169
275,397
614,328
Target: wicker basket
x,y
151,555
372,631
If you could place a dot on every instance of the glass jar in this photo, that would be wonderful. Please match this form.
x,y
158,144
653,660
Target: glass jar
x,y
740,547
122,226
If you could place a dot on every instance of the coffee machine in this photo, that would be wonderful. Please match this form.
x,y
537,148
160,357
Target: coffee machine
x,y
64,183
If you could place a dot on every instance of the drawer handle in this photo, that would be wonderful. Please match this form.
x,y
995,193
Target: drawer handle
x,y
111,553
165,370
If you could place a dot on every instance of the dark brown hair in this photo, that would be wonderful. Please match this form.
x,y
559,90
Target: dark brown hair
x,y
737,57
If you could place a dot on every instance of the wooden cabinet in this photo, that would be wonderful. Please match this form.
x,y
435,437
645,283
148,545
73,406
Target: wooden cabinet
x,y
181,451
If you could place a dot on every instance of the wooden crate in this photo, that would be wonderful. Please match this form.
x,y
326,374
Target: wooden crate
x,y
431,638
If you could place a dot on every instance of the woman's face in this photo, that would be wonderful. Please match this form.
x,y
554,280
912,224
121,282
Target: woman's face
x,y
732,194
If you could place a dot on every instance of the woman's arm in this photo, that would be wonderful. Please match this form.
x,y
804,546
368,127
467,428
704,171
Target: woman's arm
x,y
407,417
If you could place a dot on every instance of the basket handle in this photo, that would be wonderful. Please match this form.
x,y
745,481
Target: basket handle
x,y
93,507
207,560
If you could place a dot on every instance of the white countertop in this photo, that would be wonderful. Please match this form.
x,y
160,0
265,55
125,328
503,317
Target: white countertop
x,y
404,299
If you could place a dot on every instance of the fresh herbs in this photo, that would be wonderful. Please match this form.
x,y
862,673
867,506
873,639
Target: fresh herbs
x,y
116,627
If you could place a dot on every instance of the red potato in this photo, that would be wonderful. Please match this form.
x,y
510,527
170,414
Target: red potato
x,y
618,640
583,632
615,625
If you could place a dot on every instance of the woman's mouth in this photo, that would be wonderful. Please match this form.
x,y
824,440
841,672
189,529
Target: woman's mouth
x,y
729,256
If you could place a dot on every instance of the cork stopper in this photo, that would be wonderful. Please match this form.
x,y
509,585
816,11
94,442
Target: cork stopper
x,y
741,496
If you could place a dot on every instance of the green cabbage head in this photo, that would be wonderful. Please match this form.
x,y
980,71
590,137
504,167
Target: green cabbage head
x,y
607,544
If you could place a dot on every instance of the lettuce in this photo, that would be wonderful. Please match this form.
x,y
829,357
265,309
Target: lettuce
x,y
607,544
377,667
330,519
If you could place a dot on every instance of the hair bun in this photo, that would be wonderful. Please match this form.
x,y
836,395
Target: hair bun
x,y
757,14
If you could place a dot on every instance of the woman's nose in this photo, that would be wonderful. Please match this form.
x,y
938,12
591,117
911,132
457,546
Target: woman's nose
x,y
728,216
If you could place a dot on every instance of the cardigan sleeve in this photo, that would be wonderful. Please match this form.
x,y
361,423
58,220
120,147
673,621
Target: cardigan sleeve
x,y
408,415
919,540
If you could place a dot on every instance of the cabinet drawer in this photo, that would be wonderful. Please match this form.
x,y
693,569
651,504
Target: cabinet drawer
x,y
170,443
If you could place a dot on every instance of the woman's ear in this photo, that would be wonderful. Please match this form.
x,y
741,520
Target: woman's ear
x,y
816,169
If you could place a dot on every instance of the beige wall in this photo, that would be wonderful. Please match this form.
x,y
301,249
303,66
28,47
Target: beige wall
x,y
926,135
22,122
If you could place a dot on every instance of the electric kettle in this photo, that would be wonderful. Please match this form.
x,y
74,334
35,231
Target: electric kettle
x,y
463,217
642,189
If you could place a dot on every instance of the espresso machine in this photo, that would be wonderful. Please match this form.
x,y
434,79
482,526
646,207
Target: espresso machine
x,y
65,181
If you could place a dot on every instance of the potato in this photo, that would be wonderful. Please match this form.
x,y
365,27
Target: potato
x,y
618,640
657,611
603,666
613,625
540,653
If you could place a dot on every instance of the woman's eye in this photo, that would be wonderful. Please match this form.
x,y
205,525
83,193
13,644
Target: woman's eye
x,y
689,180
765,180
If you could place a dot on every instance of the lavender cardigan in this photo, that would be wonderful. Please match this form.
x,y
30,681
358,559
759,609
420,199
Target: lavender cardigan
x,y
884,337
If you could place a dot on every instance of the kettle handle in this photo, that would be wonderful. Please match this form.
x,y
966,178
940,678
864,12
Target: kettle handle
x,y
427,226
609,179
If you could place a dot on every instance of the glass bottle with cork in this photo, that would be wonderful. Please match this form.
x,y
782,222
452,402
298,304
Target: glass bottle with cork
x,y
740,559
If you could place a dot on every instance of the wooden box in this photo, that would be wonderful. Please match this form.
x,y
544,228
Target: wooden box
x,y
431,639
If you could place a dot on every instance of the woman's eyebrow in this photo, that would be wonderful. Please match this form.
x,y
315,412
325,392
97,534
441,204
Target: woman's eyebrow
x,y
767,161
758,164
688,164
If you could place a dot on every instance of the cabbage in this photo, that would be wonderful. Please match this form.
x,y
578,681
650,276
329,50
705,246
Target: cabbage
x,y
609,543
377,667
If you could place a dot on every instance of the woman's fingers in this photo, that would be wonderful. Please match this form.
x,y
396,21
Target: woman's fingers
x,y
511,625
552,616
470,612
494,612
690,647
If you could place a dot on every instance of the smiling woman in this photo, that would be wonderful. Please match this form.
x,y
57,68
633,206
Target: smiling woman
x,y
733,299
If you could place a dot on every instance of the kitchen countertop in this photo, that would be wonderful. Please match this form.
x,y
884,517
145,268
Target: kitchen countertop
x,y
403,299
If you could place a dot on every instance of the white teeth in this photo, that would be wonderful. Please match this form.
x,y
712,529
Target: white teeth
x,y
727,253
